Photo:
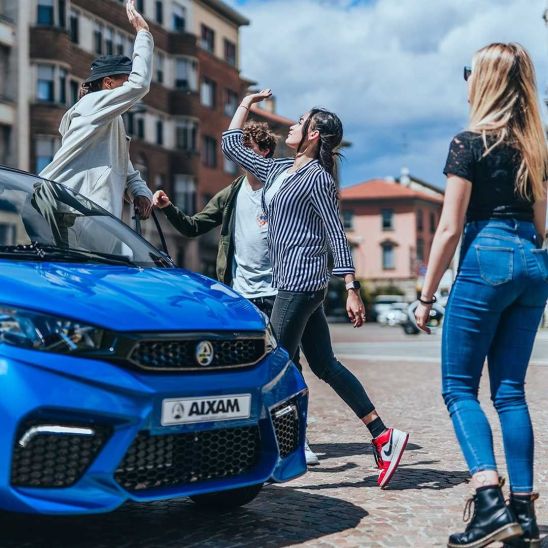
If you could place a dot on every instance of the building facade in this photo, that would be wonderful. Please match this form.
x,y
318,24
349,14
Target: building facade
x,y
46,48
391,224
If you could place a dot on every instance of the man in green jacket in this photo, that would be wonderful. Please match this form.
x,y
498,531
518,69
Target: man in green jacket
x,y
242,258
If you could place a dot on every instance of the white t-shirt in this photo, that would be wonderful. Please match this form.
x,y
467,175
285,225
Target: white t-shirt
x,y
275,186
251,268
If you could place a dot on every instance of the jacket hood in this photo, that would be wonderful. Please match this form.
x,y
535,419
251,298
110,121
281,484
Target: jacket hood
x,y
127,299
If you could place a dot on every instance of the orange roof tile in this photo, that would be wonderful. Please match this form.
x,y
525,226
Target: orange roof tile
x,y
376,189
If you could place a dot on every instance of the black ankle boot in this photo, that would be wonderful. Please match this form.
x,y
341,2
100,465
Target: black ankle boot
x,y
492,520
523,507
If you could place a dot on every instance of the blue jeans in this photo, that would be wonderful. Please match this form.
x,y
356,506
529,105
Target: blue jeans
x,y
298,317
494,312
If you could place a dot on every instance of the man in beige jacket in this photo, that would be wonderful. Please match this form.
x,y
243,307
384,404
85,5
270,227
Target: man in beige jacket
x,y
94,154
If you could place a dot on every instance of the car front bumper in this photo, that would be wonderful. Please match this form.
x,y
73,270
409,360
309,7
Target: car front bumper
x,y
84,436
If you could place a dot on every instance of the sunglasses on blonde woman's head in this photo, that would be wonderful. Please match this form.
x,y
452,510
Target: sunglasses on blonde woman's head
x,y
467,72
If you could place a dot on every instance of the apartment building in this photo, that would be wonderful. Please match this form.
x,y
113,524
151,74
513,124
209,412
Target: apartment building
x,y
390,224
46,48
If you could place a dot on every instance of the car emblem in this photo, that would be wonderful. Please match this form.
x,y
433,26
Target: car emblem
x,y
204,353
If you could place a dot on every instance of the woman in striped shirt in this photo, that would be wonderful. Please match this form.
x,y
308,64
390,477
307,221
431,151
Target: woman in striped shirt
x,y
300,198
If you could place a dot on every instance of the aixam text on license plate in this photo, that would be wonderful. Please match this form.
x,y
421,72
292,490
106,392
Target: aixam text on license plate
x,y
210,408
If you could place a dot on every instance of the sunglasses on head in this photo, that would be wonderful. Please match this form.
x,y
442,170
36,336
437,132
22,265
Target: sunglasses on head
x,y
467,72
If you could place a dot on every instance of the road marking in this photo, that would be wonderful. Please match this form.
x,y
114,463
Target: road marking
x,y
410,359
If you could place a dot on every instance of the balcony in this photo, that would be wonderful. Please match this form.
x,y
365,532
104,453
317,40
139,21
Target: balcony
x,y
7,31
7,111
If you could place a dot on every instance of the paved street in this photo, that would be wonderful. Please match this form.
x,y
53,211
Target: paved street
x,y
336,503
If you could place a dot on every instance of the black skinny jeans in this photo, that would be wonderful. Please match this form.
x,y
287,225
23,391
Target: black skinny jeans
x,y
300,317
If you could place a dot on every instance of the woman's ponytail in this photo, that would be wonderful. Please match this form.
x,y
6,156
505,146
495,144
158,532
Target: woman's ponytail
x,y
330,128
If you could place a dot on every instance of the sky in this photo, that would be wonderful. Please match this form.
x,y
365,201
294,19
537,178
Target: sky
x,y
391,69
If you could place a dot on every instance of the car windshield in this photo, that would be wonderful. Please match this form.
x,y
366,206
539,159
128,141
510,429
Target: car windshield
x,y
45,221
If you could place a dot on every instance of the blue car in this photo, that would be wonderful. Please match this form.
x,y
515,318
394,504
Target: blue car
x,y
123,377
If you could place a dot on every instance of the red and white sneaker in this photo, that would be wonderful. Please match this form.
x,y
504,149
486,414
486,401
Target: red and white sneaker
x,y
388,449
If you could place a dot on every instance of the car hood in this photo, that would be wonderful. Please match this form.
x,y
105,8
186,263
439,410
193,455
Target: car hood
x,y
127,299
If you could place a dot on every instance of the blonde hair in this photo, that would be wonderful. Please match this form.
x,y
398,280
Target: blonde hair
x,y
504,104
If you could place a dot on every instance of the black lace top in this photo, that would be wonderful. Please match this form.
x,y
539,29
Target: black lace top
x,y
493,178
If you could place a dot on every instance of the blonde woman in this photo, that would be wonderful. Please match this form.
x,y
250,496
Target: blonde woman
x,y
496,190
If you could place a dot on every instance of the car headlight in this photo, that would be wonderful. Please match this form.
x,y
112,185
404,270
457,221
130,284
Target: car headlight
x,y
270,339
38,331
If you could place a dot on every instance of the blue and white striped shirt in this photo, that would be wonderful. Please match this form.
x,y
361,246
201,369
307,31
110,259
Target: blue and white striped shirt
x,y
303,217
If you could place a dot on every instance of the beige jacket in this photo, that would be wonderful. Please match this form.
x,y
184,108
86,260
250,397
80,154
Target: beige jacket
x,y
94,154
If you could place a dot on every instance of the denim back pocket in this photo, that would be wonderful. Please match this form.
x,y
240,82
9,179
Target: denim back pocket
x,y
541,256
496,264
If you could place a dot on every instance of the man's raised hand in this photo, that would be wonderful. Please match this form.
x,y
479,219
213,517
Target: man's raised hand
x,y
135,18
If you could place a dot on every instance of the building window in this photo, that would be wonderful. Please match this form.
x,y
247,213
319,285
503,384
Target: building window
x,y
208,39
159,132
44,152
433,222
109,41
420,250
388,259
230,167
74,91
74,30
45,12
98,39
230,52
159,181
420,220
348,219
140,5
140,127
208,91
178,18
186,135
159,12
209,152
231,102
63,86
45,87
129,122
186,74
119,43
387,216
185,193
61,6
141,165
160,62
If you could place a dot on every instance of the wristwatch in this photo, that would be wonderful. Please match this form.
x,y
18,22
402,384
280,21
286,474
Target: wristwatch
x,y
353,285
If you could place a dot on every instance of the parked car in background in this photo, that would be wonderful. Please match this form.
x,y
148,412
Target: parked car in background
x,y
395,315
437,313
383,303
124,377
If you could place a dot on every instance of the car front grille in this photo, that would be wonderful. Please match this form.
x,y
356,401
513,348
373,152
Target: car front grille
x,y
173,355
286,426
54,455
178,459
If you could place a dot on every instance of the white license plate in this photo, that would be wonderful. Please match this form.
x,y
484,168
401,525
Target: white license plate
x,y
211,408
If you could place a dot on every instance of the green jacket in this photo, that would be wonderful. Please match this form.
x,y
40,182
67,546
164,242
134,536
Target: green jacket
x,y
217,212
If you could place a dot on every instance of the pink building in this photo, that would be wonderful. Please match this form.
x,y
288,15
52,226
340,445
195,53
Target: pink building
x,y
390,225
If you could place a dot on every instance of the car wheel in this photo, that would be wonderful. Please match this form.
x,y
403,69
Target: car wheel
x,y
411,329
226,500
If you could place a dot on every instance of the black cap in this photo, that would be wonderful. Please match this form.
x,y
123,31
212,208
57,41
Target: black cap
x,y
109,65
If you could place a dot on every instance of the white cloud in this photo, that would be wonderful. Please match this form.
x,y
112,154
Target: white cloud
x,y
386,67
